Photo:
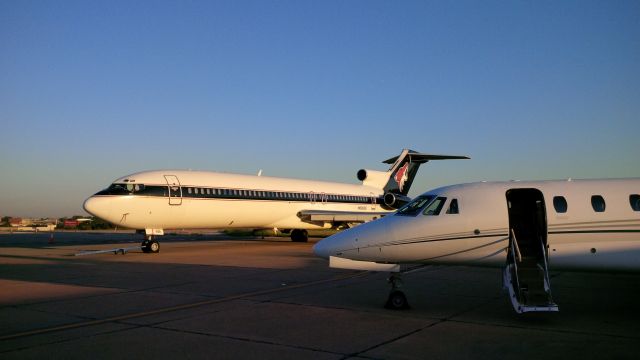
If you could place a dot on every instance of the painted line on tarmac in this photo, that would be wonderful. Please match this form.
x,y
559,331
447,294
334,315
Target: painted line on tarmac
x,y
178,307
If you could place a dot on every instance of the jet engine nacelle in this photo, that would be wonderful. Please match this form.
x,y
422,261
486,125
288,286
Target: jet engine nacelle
x,y
395,201
373,178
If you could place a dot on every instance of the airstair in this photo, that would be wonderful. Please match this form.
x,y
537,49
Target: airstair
x,y
526,276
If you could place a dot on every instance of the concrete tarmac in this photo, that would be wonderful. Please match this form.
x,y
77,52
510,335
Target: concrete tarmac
x,y
215,297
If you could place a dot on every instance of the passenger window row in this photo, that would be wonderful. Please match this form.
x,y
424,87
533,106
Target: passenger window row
x,y
272,195
597,203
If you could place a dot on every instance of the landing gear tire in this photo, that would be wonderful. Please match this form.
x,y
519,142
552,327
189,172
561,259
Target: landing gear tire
x,y
150,246
397,301
298,235
154,247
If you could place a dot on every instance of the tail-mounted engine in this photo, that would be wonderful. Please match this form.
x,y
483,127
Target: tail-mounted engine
x,y
395,201
373,178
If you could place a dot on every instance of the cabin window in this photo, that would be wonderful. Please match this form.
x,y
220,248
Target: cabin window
x,y
189,190
560,204
597,202
414,206
634,200
435,206
453,207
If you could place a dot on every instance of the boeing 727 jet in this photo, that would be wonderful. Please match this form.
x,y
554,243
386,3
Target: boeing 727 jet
x,y
526,228
155,201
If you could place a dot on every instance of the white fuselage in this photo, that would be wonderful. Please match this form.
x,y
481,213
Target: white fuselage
x,y
202,199
579,238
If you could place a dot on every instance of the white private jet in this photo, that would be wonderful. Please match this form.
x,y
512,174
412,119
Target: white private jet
x,y
180,199
524,227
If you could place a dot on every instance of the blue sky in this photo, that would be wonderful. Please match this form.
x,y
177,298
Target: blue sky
x,y
91,91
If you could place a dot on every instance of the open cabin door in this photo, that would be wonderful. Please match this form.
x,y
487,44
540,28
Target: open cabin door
x,y
526,274
175,190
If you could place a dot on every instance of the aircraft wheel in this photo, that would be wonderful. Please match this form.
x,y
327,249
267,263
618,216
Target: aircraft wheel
x,y
397,301
299,235
145,246
154,247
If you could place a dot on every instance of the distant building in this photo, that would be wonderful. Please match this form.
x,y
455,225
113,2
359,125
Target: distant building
x,y
26,224
70,223
15,222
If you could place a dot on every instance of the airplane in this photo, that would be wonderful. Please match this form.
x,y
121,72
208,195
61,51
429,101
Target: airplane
x,y
526,228
155,201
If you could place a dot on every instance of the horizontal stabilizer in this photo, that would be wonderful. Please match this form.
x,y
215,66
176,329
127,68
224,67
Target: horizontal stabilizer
x,y
416,157
342,263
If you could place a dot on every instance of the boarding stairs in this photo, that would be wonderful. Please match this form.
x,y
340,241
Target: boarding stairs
x,y
526,277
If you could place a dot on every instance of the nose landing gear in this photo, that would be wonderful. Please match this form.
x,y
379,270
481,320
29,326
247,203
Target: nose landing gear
x,y
149,245
396,300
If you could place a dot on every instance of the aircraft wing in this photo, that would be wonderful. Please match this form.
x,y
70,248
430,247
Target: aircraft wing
x,y
340,216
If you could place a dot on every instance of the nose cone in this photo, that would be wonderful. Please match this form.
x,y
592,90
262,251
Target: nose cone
x,y
341,243
97,206
354,243
328,246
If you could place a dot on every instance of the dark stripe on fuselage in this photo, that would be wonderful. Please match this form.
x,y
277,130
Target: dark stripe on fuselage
x,y
594,231
192,192
418,241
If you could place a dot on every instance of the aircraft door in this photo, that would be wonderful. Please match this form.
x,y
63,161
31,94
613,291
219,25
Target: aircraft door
x,y
175,190
526,273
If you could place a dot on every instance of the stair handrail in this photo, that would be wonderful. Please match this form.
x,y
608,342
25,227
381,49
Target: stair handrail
x,y
515,263
513,234
546,267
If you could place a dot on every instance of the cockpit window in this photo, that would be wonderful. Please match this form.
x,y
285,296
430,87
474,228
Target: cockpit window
x,y
453,207
414,207
130,189
435,206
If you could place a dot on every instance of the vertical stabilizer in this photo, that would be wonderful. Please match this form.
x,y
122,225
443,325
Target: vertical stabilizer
x,y
405,167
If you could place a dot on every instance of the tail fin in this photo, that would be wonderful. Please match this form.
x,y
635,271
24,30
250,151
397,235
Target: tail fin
x,y
405,167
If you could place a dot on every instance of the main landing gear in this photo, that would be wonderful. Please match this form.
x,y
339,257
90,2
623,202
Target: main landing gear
x,y
396,300
149,245
299,235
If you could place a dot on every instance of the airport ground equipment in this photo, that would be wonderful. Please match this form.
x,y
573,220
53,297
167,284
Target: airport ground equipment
x,y
115,251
